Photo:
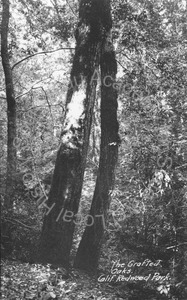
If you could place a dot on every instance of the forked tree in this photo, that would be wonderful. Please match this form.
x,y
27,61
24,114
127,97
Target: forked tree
x,y
92,31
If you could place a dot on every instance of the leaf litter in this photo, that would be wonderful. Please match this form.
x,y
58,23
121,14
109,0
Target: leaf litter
x,y
41,282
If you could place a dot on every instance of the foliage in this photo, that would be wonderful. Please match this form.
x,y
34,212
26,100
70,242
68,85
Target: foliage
x,y
148,207
21,228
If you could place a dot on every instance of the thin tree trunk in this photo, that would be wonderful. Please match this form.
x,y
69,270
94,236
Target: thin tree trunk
x,y
89,249
59,222
11,107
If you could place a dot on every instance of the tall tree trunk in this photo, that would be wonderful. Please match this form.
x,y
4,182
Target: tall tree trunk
x,y
11,107
59,222
89,249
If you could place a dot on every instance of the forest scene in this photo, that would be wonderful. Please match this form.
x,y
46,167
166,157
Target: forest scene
x,y
93,149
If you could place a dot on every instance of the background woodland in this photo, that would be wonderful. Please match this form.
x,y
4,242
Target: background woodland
x,y
147,215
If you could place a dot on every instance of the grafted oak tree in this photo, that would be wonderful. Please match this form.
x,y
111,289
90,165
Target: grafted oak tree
x,y
89,249
64,196
11,107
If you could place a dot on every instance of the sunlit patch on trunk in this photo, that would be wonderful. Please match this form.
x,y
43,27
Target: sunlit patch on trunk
x,y
74,119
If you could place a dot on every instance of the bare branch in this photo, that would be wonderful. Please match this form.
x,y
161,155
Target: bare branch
x,y
181,166
21,95
71,8
171,247
49,104
39,53
121,65
33,88
13,222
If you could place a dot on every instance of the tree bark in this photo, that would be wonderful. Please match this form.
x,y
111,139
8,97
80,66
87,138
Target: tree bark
x,y
11,107
89,249
64,197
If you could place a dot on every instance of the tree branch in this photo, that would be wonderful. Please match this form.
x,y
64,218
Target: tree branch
x,y
30,227
171,247
33,88
121,65
49,104
71,8
181,166
39,53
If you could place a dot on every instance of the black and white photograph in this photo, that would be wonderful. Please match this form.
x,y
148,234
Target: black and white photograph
x,y
93,149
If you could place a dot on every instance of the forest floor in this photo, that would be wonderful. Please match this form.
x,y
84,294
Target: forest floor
x,y
34,281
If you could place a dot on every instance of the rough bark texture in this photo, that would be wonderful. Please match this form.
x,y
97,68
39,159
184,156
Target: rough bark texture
x,y
11,107
89,249
57,233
